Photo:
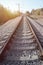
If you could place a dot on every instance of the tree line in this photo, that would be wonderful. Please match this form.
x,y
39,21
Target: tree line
x,y
37,11
6,14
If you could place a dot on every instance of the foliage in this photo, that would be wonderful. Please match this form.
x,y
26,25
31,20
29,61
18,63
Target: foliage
x,y
5,15
37,11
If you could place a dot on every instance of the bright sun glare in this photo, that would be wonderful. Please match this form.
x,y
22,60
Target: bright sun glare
x,y
11,5
25,5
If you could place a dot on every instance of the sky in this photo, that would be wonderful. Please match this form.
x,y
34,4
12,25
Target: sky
x,y
25,5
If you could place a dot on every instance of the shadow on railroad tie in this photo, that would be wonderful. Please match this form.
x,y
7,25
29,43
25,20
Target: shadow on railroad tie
x,y
1,58
4,53
41,57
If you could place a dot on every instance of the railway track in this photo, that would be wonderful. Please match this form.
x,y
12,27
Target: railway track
x,y
22,47
37,27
